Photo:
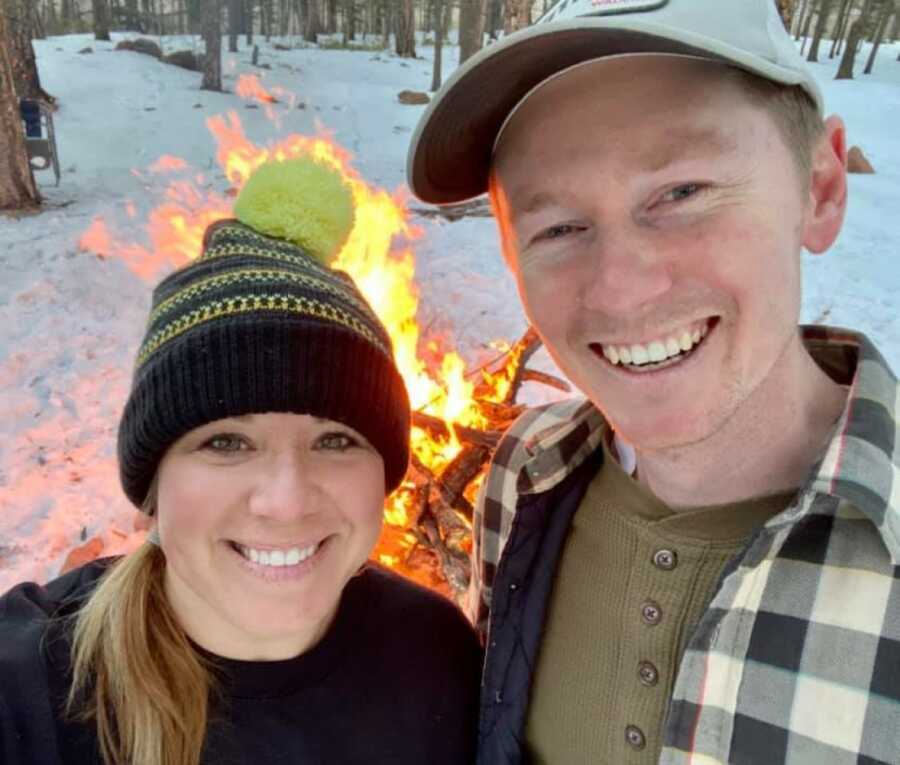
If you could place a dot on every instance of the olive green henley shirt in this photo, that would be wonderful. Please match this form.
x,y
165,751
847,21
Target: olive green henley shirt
x,y
633,580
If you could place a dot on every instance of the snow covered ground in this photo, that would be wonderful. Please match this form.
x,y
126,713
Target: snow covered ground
x,y
70,320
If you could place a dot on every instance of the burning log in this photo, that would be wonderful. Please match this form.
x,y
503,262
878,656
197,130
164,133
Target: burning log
x,y
456,567
533,375
524,349
438,429
457,476
439,526
502,414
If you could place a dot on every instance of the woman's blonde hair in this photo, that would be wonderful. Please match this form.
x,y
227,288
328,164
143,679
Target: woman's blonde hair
x,y
135,673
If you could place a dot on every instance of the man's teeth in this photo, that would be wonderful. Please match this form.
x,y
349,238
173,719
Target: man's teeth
x,y
290,557
656,351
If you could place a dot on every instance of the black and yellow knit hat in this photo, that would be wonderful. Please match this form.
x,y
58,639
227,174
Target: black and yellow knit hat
x,y
260,323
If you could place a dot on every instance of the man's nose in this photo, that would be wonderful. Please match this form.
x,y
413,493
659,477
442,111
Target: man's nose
x,y
625,273
287,490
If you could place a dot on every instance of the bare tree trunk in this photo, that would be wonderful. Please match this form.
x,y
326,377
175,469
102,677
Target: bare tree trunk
x,y
212,39
350,20
26,81
517,15
101,19
38,31
51,22
330,16
234,24
808,23
17,187
825,8
284,18
494,17
438,42
471,28
247,20
857,33
311,24
387,23
887,8
803,28
405,29
840,28
786,8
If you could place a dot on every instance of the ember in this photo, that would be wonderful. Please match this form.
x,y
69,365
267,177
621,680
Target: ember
x,y
458,416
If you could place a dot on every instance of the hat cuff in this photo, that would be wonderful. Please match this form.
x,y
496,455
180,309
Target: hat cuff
x,y
262,364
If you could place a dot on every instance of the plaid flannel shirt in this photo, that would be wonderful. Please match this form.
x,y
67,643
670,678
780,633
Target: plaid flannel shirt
x,y
797,657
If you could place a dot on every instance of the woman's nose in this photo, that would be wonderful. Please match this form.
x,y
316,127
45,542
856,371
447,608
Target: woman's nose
x,y
288,489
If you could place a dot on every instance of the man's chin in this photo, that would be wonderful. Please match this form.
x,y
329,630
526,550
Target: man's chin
x,y
663,430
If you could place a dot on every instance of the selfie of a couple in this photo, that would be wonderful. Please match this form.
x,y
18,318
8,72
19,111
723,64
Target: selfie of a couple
x,y
693,561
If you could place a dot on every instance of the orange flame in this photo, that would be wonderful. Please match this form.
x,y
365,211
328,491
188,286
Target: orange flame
x,y
167,163
250,88
96,239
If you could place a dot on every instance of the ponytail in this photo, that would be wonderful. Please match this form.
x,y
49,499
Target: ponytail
x,y
135,673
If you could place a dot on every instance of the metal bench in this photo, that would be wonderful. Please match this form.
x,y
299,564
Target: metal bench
x,y
40,140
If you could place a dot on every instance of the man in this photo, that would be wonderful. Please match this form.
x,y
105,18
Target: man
x,y
698,564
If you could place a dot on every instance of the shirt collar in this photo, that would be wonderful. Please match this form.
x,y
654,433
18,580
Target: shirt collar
x,y
862,459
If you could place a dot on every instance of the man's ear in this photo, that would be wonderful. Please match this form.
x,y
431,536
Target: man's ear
x,y
827,200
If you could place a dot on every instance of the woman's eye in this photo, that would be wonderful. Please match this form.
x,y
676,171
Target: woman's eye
x,y
226,443
336,441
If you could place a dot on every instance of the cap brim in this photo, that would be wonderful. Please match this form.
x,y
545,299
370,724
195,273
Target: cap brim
x,y
450,152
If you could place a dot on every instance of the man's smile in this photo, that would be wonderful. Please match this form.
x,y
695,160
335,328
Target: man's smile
x,y
667,349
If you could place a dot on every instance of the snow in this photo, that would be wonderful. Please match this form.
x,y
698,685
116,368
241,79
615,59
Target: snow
x,y
70,320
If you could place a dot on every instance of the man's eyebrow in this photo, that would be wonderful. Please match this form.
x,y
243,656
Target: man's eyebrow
x,y
533,203
686,143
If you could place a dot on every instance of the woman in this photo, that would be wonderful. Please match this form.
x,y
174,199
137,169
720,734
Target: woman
x,y
265,426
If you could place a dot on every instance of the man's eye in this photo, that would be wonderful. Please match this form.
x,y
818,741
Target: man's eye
x,y
226,443
336,441
679,193
558,231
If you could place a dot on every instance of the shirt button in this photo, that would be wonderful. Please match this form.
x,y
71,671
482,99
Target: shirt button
x,y
651,613
634,737
665,559
648,674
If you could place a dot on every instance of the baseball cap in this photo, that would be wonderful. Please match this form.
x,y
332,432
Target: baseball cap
x,y
450,152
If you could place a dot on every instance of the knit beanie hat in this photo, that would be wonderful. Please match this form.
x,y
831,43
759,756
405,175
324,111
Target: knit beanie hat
x,y
260,323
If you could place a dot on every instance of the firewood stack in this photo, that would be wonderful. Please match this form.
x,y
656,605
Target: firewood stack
x,y
443,503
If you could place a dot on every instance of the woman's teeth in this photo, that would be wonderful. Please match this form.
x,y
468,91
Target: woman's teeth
x,y
289,557
657,350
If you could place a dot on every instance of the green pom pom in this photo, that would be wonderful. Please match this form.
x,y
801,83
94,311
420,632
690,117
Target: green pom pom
x,y
300,201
